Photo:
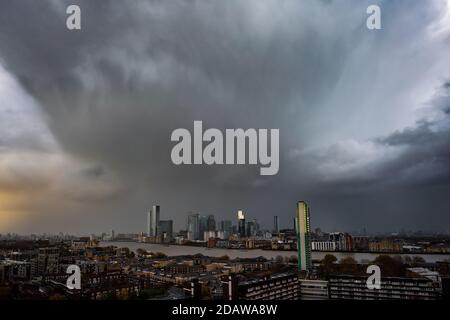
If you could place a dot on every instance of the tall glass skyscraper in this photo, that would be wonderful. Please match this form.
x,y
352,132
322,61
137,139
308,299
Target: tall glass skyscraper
x,y
226,226
303,230
193,226
241,224
276,228
165,230
202,227
153,221
211,223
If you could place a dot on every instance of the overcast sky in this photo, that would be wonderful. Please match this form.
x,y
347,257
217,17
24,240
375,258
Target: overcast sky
x,y
86,116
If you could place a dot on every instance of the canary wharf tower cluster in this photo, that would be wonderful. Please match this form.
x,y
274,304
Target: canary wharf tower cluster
x,y
204,228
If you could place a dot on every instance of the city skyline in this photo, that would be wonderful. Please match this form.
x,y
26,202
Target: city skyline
x,y
232,225
87,115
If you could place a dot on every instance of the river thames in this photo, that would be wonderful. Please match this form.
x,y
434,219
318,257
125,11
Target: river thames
x,y
177,250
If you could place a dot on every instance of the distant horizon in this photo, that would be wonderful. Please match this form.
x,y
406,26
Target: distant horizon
x,y
351,232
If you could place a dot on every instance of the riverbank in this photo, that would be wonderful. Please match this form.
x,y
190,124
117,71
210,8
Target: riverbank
x,y
178,250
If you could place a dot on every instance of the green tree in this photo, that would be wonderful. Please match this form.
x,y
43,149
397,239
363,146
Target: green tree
x,y
327,265
160,255
389,266
348,265
141,252
329,259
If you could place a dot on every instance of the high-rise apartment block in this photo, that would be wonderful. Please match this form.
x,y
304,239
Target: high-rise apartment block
x,y
303,230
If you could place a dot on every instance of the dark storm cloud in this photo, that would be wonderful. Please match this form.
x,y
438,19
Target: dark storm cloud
x,y
114,91
419,154
94,172
404,176
427,155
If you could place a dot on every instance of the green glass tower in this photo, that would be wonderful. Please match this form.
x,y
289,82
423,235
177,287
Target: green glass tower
x,y
303,230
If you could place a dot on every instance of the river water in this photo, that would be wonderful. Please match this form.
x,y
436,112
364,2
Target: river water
x,y
176,250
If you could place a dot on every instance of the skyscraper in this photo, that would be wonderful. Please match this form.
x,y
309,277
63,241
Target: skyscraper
x,y
165,231
227,227
303,236
252,228
153,221
211,223
149,218
241,223
202,227
193,226
276,228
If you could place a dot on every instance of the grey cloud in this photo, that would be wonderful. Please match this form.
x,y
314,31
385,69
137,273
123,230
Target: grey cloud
x,y
417,154
114,91
94,172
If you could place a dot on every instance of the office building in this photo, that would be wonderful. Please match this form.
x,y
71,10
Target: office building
x,y
210,223
276,228
241,224
324,246
165,231
149,219
303,230
385,245
193,230
252,228
344,241
48,259
209,235
153,221
221,235
202,226
313,289
351,287
226,226
11,270
361,243
283,286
